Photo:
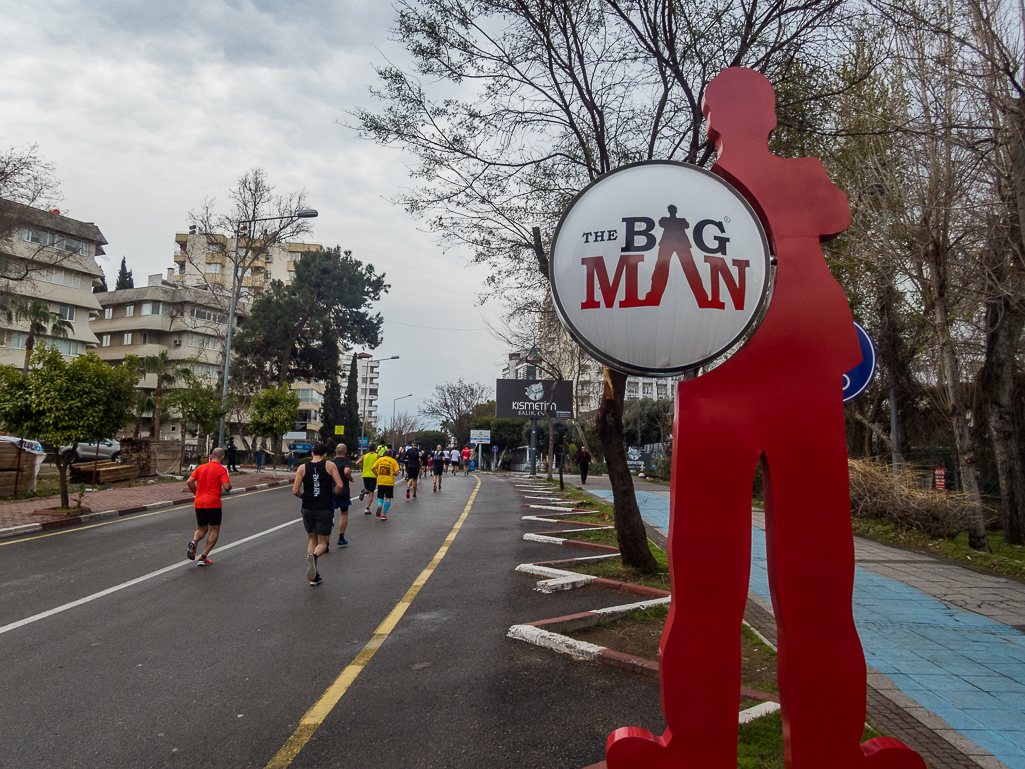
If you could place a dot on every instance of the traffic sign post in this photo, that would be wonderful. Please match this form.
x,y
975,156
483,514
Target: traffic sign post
x,y
857,380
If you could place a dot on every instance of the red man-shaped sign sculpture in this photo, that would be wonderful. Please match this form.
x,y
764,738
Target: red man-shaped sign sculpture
x,y
777,401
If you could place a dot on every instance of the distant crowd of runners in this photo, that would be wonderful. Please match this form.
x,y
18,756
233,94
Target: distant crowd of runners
x,y
323,485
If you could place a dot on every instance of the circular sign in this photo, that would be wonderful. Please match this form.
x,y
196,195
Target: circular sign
x,y
857,380
659,267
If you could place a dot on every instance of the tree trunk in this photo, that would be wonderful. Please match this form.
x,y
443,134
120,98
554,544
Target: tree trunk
x,y
62,475
951,382
630,533
551,437
1005,318
154,429
30,343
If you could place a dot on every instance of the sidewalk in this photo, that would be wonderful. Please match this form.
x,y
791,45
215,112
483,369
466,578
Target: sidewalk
x,y
18,518
944,642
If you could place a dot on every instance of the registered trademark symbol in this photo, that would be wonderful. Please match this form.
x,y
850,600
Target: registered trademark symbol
x,y
726,219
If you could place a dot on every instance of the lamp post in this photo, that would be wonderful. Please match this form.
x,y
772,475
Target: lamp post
x,y
363,422
394,438
302,213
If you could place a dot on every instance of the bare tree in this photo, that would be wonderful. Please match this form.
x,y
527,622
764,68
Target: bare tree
x,y
402,428
453,404
28,179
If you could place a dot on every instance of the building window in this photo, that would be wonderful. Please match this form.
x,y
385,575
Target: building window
x,y
66,346
19,340
151,308
108,313
648,389
129,310
296,256
128,337
214,268
632,391
67,312
105,340
60,277
201,314
145,338
291,275
205,342
61,242
663,391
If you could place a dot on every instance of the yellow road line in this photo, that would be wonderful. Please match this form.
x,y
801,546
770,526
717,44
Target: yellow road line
x,y
321,708
121,519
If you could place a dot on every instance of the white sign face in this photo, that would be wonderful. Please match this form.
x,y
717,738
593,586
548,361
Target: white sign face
x,y
480,436
659,267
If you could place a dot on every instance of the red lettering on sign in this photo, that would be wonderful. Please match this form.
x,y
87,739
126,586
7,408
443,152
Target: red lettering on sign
x,y
597,272
735,287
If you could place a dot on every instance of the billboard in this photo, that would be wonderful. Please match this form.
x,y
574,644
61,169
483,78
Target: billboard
x,y
532,399
480,436
677,273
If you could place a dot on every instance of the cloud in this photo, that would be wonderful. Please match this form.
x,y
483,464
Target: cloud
x,y
148,109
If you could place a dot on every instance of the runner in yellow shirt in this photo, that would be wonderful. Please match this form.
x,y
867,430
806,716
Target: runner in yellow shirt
x,y
384,470
369,478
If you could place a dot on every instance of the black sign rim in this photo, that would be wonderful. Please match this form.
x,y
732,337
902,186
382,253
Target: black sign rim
x,y
630,368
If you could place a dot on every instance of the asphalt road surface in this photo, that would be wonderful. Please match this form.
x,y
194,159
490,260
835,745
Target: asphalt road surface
x,y
117,652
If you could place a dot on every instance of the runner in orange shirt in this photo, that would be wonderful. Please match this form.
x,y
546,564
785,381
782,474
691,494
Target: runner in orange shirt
x,y
207,482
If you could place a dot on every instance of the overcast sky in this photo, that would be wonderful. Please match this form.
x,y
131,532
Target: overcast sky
x,y
149,108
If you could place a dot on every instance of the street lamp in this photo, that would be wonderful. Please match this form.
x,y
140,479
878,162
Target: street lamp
x,y
394,438
366,389
302,213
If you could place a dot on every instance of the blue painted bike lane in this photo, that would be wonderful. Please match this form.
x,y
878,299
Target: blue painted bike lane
x,y
965,668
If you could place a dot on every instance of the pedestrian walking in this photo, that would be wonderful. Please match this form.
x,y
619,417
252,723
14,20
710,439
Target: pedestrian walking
x,y
207,482
412,469
466,459
454,456
231,454
583,460
316,484
369,477
439,461
343,500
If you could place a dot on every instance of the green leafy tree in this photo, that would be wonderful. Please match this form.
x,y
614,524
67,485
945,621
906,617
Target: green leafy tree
x,y
197,401
124,277
41,321
102,288
331,412
143,406
62,402
294,331
430,439
273,414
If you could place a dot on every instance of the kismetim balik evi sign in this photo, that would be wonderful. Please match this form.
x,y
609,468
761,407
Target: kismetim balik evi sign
x,y
532,399
659,267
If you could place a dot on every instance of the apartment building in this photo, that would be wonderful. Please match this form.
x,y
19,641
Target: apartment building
x,y
52,258
189,323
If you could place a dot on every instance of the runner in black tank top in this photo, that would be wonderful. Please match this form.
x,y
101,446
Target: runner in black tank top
x,y
315,483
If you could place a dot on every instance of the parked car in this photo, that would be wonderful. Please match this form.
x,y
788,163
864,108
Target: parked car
x,y
110,451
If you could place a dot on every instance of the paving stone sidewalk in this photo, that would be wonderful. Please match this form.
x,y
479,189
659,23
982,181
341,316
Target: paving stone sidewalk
x,y
943,642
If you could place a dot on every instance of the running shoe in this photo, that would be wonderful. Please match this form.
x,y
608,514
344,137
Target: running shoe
x,y
203,561
407,493
378,512
367,511
190,553
316,581
384,517
414,495
343,541
311,567
362,494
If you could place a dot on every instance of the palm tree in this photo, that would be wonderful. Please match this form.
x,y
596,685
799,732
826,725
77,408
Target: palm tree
x,y
40,320
144,402
168,372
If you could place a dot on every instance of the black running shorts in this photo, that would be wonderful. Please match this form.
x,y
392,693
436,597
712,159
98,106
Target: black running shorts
x,y
385,492
369,483
318,521
438,468
208,516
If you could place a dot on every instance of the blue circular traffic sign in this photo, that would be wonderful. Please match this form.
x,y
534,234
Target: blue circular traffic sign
x,y
857,380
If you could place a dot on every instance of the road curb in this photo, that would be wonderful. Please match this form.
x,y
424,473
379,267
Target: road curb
x,y
74,520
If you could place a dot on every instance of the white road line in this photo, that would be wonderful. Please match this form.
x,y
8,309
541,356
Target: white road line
x,y
129,583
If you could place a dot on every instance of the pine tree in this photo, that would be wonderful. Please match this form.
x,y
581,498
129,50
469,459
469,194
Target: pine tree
x,y
331,411
124,277
350,407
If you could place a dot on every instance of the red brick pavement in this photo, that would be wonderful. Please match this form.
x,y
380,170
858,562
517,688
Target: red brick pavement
x,y
22,512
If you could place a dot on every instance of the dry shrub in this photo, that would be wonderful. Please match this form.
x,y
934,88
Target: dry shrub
x,y
902,500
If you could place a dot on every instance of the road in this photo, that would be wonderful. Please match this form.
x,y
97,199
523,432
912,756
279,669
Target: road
x,y
118,652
